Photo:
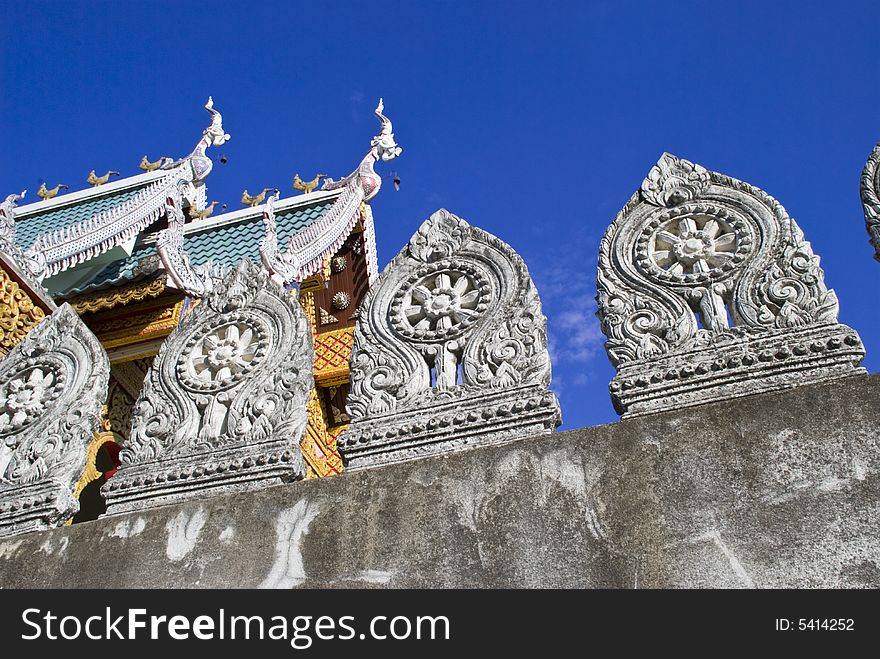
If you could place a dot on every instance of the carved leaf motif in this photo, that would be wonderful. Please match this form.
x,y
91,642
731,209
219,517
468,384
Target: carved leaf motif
x,y
673,181
870,193
436,309
438,238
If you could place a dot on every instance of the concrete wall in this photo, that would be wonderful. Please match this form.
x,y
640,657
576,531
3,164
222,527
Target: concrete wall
x,y
774,490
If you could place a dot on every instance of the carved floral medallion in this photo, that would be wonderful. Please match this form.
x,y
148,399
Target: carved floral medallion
x,y
440,302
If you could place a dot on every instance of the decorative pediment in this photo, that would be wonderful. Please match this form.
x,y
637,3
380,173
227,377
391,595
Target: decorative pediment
x,y
870,191
450,350
223,407
52,388
708,289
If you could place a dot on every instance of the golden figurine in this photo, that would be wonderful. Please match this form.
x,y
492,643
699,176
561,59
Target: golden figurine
x,y
95,181
248,200
307,186
148,166
202,214
45,193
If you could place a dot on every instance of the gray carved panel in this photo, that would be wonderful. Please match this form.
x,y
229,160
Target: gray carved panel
x,y
708,290
52,388
450,350
870,192
223,408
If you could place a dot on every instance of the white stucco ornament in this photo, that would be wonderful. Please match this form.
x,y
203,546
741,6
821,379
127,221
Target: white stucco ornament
x,y
223,407
708,290
450,350
52,387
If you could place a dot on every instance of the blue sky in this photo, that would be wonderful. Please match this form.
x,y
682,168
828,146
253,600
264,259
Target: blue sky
x,y
534,121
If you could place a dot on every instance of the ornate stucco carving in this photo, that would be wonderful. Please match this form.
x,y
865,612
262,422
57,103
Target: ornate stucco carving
x,y
450,350
707,290
194,280
52,388
32,264
870,190
223,407
308,250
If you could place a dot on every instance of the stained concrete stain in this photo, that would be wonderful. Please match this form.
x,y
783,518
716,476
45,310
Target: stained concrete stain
x,y
8,549
128,528
183,533
291,525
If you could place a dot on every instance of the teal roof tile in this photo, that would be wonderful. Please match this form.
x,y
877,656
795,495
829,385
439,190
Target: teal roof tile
x,y
225,244
32,224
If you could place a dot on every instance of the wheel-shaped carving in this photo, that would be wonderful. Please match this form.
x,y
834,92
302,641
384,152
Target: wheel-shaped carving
x,y
221,354
694,244
440,301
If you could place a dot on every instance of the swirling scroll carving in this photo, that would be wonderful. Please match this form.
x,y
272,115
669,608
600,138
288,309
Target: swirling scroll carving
x,y
700,267
452,332
223,407
52,388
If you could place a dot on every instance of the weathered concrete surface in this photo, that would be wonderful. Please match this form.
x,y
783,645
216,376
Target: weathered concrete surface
x,y
774,490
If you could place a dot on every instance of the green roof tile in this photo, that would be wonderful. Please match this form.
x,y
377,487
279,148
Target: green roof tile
x,y
226,244
29,226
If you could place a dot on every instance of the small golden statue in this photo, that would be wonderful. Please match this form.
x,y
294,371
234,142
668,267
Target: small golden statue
x,y
248,200
202,214
307,186
45,193
148,166
95,181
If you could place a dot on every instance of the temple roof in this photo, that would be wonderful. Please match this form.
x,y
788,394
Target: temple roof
x,y
223,239
101,236
66,210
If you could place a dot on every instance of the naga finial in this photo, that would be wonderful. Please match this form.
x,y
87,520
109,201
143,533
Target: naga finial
x,y
12,200
7,219
383,147
384,143
213,135
215,131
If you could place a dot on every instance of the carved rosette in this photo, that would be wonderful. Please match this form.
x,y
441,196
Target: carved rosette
x,y
450,350
870,191
52,388
223,408
707,290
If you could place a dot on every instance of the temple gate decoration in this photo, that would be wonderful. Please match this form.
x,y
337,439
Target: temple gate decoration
x,y
708,290
870,191
450,350
223,408
52,388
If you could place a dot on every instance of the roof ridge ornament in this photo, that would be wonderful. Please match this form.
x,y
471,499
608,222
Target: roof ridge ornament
x,y
7,221
284,266
195,281
31,262
213,135
307,250
383,147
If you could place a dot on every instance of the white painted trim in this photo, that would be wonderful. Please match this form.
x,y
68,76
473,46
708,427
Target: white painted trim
x,y
61,201
235,217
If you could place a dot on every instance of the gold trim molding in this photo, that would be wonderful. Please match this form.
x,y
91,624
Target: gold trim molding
x,y
18,313
120,296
